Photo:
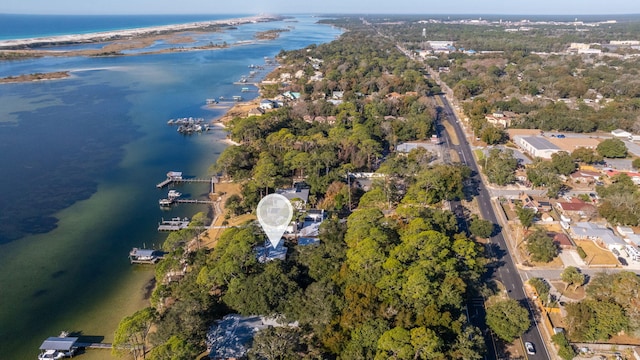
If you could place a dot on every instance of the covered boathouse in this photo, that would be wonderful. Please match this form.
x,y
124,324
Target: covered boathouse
x,y
58,347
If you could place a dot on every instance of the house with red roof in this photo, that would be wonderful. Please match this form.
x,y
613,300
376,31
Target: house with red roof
x,y
575,207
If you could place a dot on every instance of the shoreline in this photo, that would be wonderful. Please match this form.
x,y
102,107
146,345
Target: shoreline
x,y
30,43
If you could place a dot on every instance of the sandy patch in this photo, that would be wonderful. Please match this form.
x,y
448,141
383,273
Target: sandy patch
x,y
451,131
223,191
240,109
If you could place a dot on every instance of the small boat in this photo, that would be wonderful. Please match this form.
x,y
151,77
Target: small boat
x,y
170,122
174,194
58,347
145,256
165,202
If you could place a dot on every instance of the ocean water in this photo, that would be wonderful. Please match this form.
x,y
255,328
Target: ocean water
x,y
80,159
18,26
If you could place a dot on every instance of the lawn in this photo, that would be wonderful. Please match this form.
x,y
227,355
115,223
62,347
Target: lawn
x,y
571,292
597,256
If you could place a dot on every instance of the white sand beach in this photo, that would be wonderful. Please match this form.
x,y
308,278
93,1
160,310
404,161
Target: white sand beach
x,y
130,33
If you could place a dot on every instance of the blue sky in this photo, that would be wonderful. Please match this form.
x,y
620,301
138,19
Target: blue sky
x,y
519,7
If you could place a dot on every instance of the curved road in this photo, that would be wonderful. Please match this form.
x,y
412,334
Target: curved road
x,y
506,272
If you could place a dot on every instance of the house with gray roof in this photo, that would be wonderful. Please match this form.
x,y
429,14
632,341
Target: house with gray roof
x,y
599,233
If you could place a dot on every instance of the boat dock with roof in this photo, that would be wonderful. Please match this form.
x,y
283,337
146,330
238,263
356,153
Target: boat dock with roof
x,y
57,347
145,256
174,224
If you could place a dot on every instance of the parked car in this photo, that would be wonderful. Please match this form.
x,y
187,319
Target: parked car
x,y
560,136
531,350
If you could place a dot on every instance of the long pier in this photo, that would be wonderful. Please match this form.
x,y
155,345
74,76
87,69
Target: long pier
x,y
95,345
193,201
177,181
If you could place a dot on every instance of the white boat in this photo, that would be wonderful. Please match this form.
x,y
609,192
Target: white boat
x,y
58,348
51,354
165,202
173,194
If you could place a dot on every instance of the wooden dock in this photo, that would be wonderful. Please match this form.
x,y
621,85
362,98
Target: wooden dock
x,y
95,345
174,224
164,183
169,181
193,201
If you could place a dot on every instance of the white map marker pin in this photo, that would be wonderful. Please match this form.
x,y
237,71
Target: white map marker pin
x,y
274,214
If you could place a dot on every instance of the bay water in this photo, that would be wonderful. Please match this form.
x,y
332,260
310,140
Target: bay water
x,y
80,158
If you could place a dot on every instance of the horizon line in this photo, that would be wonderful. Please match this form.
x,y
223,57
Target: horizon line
x,y
324,14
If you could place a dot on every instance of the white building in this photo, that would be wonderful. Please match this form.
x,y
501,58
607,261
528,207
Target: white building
x,y
536,146
619,133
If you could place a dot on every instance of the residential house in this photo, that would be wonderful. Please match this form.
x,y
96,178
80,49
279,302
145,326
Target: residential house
x,y
291,95
585,176
599,233
562,241
266,104
537,205
231,337
635,177
500,118
298,196
268,253
256,112
575,207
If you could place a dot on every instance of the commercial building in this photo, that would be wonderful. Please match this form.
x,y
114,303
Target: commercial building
x,y
536,146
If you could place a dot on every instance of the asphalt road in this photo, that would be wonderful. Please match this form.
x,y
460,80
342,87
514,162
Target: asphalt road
x,y
506,271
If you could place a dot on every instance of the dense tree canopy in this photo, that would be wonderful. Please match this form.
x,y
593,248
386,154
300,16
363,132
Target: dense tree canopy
x,y
612,148
541,246
508,319
500,166
611,307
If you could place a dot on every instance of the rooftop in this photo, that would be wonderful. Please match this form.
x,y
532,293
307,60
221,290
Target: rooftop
x,y
230,337
295,193
267,252
539,143
59,343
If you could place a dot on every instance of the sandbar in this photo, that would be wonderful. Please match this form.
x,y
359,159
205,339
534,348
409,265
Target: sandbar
x,y
31,43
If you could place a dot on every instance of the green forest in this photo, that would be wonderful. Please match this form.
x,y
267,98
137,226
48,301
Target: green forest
x,y
392,271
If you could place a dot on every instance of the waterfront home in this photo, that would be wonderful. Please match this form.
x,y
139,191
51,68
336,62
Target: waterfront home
x,y
230,337
298,196
256,112
267,104
268,253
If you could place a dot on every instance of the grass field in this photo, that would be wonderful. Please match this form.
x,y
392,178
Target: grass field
x,y
595,255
